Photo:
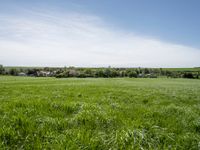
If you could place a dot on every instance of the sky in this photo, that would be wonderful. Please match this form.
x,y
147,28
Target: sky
x,y
91,33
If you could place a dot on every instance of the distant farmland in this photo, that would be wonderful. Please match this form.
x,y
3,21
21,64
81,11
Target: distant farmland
x,y
112,113
183,69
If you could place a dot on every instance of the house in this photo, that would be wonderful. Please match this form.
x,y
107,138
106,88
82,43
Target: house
x,y
22,74
140,75
44,74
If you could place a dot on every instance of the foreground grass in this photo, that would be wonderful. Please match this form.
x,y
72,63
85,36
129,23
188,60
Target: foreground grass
x,y
49,113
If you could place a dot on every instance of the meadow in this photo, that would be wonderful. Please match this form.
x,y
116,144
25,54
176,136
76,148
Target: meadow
x,y
99,113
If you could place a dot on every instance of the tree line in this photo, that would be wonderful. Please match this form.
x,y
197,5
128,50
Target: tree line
x,y
108,72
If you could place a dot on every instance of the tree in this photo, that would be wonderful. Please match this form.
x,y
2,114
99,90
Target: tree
x,y
157,71
198,75
132,74
2,70
99,73
87,73
168,73
73,73
107,73
33,71
114,73
188,75
13,71
146,70
162,71
122,73
46,69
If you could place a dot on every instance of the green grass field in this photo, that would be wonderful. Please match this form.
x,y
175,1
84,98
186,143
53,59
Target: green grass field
x,y
50,113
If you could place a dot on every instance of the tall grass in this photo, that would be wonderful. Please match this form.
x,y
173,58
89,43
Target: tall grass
x,y
49,113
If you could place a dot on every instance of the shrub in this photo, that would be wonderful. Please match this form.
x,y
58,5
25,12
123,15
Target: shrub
x,y
188,75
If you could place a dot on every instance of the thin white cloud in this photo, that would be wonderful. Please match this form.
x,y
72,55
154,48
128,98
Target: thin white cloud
x,y
74,39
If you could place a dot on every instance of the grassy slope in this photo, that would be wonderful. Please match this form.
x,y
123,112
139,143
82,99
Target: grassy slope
x,y
88,113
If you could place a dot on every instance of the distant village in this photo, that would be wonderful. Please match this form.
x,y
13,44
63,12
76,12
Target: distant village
x,y
109,72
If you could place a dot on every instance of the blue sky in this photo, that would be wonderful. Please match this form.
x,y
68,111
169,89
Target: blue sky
x,y
173,20
100,33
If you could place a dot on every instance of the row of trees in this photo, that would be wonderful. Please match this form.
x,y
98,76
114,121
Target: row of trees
x,y
125,72
99,72
108,72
